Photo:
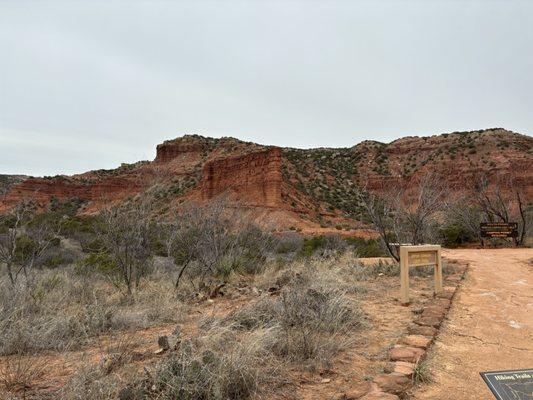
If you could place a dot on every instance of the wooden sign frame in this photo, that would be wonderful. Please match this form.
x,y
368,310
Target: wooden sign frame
x,y
417,256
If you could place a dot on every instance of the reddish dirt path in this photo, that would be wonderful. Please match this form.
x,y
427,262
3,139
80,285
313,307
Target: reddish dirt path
x,y
489,327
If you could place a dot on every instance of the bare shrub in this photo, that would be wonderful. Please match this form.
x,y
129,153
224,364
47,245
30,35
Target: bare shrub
x,y
211,241
402,216
121,351
124,233
314,324
311,320
63,309
24,241
216,365
20,374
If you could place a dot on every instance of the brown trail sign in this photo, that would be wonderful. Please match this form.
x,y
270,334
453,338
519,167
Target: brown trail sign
x,y
499,229
418,256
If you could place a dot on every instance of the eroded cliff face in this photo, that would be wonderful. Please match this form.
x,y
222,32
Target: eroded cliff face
x,y
252,179
299,188
44,191
172,150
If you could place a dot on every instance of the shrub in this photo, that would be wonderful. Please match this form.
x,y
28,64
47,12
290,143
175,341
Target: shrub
x,y
310,321
19,373
290,242
210,242
455,235
90,384
322,245
216,366
421,373
366,247
62,309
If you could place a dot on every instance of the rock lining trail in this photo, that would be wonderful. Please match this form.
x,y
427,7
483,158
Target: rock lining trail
x,y
489,327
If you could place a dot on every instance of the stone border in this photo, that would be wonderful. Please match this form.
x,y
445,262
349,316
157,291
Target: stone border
x,y
411,348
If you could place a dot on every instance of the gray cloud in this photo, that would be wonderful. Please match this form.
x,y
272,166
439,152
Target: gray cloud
x,y
91,84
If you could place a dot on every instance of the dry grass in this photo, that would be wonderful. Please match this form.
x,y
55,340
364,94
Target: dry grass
x,y
308,313
362,272
311,319
119,352
63,309
252,352
90,383
218,365
20,373
421,373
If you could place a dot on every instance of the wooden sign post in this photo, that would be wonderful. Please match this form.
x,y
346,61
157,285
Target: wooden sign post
x,y
417,256
501,230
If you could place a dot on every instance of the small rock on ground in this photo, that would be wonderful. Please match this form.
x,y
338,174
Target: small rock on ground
x,y
404,368
380,396
416,341
393,383
357,393
409,354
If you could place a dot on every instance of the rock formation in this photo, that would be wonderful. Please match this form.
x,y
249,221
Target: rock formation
x,y
304,189
253,179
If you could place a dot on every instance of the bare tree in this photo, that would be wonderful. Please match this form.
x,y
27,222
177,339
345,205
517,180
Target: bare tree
x,y
124,232
381,215
204,240
502,199
462,211
407,213
202,235
24,240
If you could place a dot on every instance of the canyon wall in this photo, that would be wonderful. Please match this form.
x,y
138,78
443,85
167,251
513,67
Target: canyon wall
x,y
288,187
253,179
43,190
171,150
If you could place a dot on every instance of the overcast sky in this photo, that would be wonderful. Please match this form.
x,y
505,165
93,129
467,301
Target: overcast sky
x,y
91,84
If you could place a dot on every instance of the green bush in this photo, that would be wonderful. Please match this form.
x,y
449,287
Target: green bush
x,y
310,245
455,235
366,247
54,261
98,262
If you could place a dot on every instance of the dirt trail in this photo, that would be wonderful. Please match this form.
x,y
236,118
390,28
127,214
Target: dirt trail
x,y
489,327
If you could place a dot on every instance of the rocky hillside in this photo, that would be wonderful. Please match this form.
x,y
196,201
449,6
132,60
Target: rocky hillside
x,y
285,188
7,181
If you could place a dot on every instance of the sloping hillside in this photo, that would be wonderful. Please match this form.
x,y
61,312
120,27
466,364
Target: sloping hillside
x,y
284,187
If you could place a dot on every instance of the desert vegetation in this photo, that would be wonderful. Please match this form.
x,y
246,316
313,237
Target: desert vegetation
x,y
106,286
71,284
423,211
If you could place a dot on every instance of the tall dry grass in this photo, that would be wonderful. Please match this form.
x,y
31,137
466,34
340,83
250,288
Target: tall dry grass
x,y
63,309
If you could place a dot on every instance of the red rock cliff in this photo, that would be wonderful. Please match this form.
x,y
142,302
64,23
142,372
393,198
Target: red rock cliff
x,y
44,190
254,178
174,149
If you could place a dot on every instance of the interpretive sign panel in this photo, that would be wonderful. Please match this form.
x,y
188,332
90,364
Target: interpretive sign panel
x,y
421,258
510,385
499,229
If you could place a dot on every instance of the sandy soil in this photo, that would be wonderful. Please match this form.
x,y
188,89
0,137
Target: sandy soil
x,y
489,327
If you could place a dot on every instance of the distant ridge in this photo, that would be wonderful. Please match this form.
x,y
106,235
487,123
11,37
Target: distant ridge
x,y
282,188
